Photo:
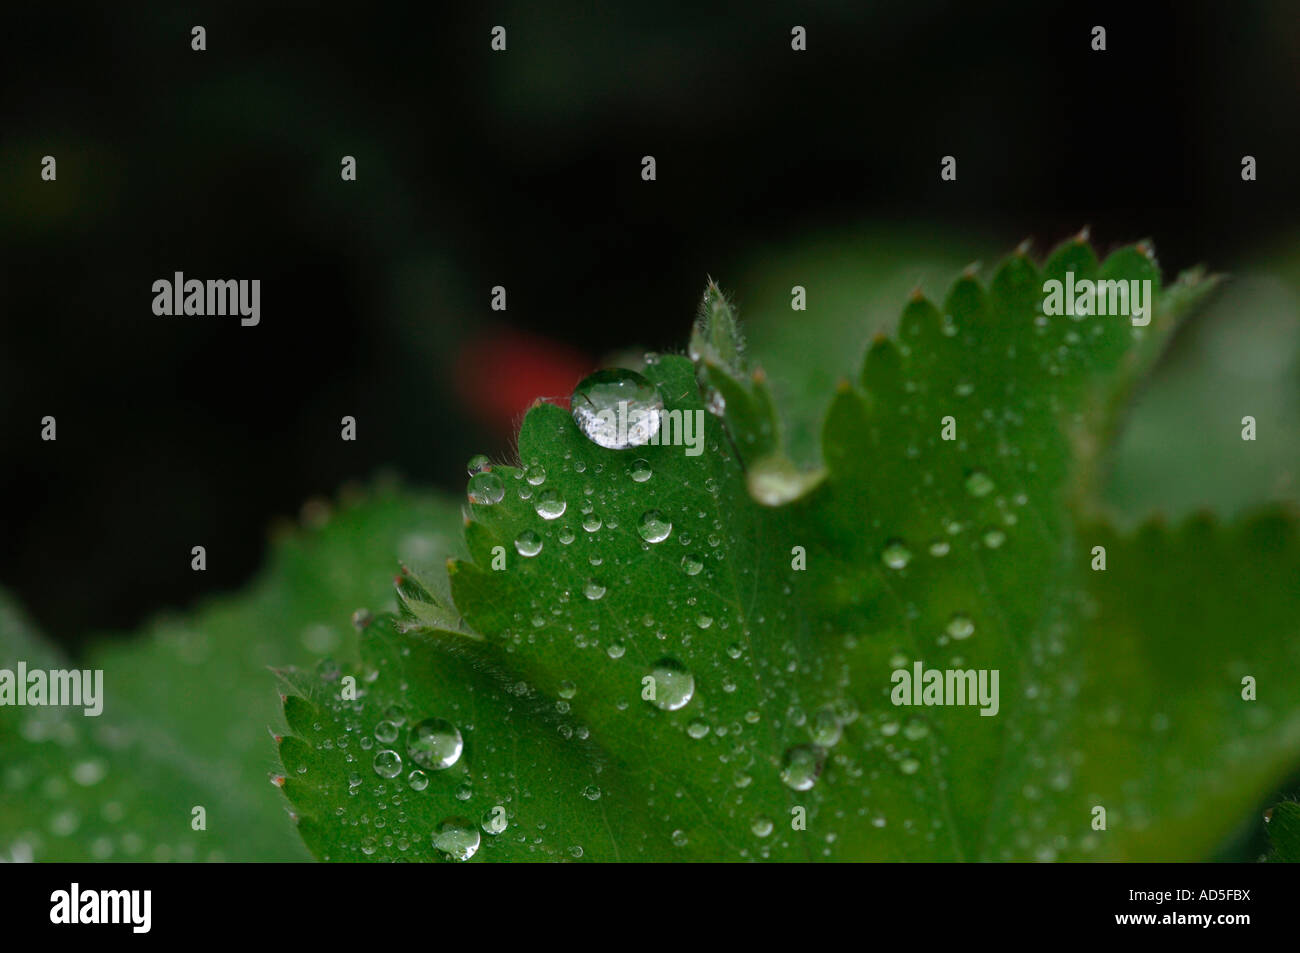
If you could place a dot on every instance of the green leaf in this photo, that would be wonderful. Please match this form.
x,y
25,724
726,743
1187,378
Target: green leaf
x,y
188,705
772,619
1284,833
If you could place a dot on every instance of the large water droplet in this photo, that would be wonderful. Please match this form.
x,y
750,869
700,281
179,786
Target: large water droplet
x,y
801,767
528,543
435,743
641,471
617,409
486,488
388,763
674,684
550,505
457,839
653,526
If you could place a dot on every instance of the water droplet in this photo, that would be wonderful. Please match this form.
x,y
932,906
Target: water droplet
x,y
680,839
457,839
435,743
486,488
567,689
478,463
641,471
978,483
698,729
762,826
494,820
939,547
388,763
418,780
593,590
692,564
909,765
550,505
801,767
528,543
994,538
615,650
896,554
535,474
617,409
961,627
567,535
826,728
674,684
591,522
653,526
386,732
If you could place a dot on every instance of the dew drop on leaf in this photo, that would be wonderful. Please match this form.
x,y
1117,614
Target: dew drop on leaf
x,y
641,471
457,839
528,543
435,743
674,684
801,767
388,763
550,505
593,590
477,463
896,554
486,489
653,526
978,483
617,409
418,780
494,820
961,627
386,732
692,564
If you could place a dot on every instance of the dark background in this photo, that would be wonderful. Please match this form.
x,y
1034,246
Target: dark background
x,y
520,169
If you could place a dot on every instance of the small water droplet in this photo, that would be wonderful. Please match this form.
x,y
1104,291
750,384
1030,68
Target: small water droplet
x,y
939,547
762,826
435,743
994,538
457,839
801,767
478,463
641,471
593,590
617,409
692,564
896,554
535,474
388,763
653,526
418,780
674,684
528,543
698,729
386,732
486,488
494,820
961,627
978,483
550,505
